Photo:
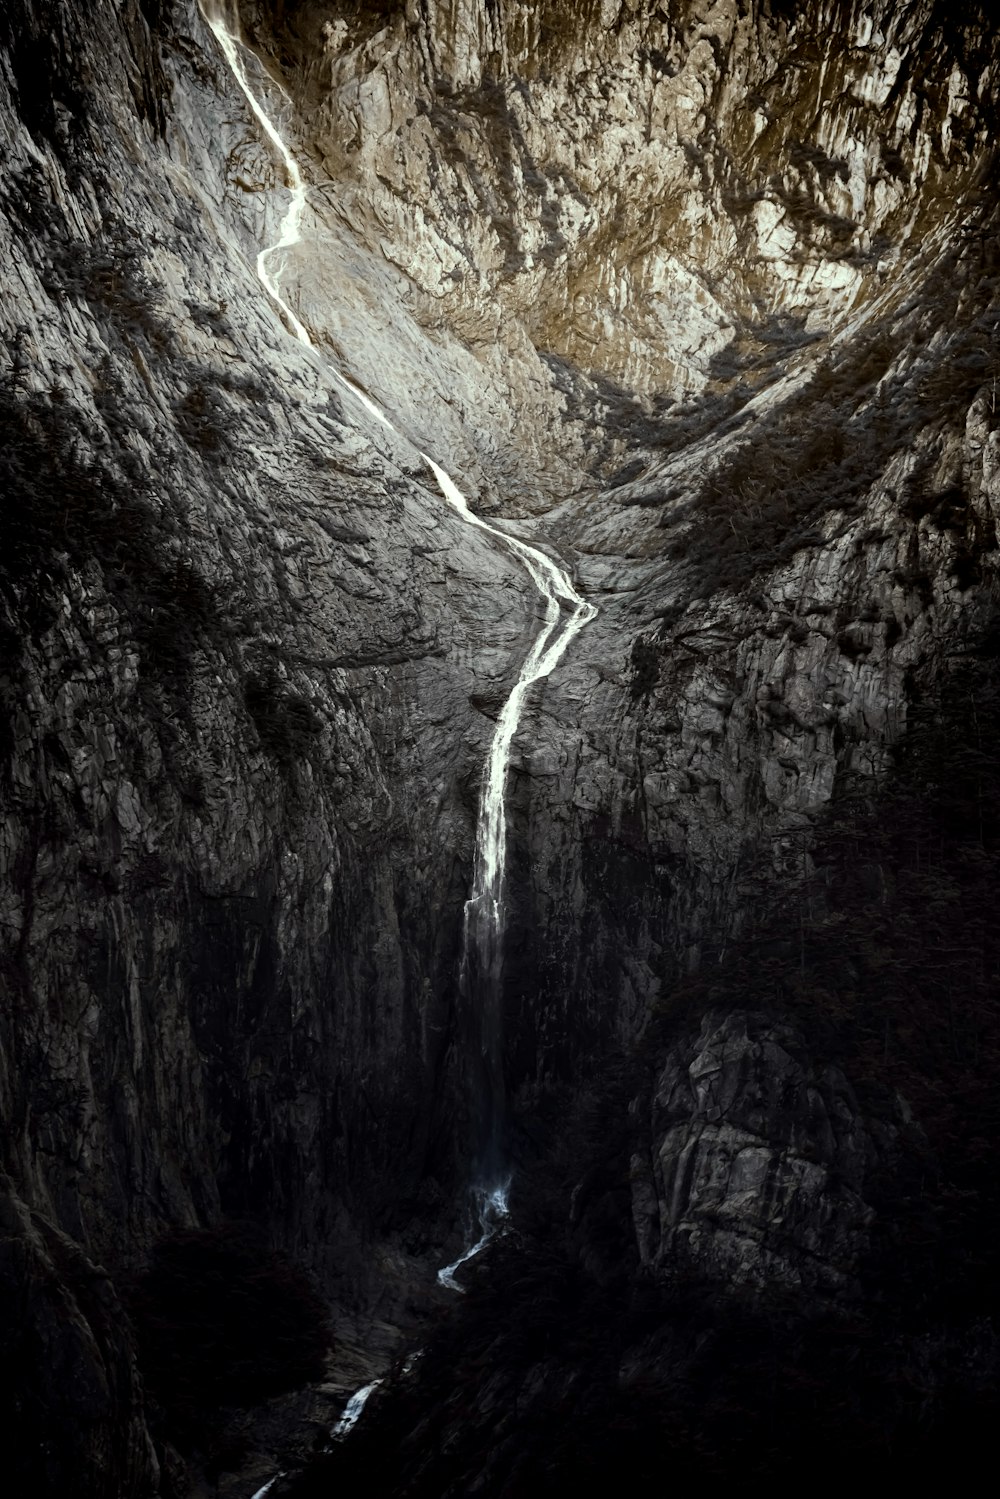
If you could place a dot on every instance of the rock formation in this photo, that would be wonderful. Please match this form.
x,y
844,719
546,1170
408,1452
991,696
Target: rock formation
x,y
702,299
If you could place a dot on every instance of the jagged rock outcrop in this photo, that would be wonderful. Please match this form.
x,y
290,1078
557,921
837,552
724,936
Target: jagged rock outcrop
x,y
629,190
759,1164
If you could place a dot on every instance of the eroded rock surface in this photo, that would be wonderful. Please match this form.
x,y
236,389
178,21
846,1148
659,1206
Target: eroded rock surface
x,y
759,1162
703,296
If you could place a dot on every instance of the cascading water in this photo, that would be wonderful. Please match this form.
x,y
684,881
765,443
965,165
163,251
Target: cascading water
x,y
268,1486
482,947
566,614
352,1410
224,25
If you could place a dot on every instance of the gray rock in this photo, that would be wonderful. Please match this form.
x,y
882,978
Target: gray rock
x,y
249,656
758,1163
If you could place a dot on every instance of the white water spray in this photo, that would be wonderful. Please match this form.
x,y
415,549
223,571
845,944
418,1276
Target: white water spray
x,y
353,1408
566,614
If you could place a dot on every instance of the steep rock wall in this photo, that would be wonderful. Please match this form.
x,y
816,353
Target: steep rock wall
x,y
239,759
686,293
717,279
760,1162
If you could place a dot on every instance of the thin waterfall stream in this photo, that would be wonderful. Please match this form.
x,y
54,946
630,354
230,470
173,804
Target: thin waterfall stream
x,y
566,613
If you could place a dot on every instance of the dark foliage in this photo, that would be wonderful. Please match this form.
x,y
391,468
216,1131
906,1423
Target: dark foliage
x,y
27,201
110,275
818,455
761,349
769,497
546,1376
203,421
222,1320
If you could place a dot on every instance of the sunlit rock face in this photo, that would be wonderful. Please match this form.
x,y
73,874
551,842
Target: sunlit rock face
x,y
632,187
703,298
708,295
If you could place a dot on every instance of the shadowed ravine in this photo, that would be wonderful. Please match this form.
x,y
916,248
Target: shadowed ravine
x,y
566,614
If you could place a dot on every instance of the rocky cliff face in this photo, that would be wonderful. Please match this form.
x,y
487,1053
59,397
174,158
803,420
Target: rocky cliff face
x,y
760,1161
219,598
701,296
228,953
721,288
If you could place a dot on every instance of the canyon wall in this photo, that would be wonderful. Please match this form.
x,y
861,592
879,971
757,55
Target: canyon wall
x,y
702,297
714,292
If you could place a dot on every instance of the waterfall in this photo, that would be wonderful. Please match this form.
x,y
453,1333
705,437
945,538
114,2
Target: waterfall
x,y
352,1410
566,614
268,1486
230,44
482,944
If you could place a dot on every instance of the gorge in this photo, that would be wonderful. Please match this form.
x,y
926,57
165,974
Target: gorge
x,y
481,961
612,827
